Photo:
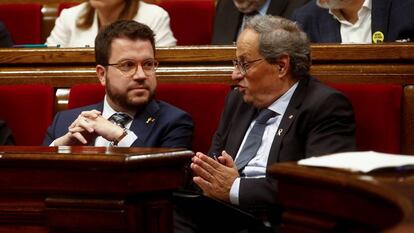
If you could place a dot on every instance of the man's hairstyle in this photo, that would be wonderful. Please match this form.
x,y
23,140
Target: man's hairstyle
x,y
120,29
279,36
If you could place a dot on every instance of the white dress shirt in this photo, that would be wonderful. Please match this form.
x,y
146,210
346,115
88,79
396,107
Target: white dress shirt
x,y
360,31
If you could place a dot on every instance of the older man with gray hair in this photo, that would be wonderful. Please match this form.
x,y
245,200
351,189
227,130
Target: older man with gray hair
x,y
276,113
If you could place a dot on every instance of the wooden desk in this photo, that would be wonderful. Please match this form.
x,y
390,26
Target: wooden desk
x,y
89,189
329,200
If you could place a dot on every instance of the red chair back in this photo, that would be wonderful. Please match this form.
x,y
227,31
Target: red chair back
x,y
24,22
191,20
28,110
377,110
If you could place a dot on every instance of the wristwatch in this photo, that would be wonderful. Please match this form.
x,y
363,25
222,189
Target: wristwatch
x,y
116,140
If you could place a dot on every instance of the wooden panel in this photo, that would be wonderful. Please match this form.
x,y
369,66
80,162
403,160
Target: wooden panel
x,y
407,121
330,200
89,189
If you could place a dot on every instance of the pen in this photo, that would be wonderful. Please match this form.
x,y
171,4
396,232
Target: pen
x,y
35,46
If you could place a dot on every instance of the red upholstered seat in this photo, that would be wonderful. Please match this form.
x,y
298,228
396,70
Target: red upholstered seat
x,y
204,102
191,20
24,21
377,110
28,111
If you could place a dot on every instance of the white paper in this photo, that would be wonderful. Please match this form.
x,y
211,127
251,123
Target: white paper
x,y
365,161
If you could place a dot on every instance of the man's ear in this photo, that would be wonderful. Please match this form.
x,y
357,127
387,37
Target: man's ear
x,y
101,73
283,64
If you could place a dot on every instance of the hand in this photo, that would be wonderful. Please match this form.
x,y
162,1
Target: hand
x,y
95,123
79,132
215,178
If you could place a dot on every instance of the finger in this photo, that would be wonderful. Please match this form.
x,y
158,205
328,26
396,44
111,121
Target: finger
x,y
226,159
91,114
203,184
86,124
200,171
208,163
79,137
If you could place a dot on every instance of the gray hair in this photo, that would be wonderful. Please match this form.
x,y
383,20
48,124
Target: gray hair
x,y
279,36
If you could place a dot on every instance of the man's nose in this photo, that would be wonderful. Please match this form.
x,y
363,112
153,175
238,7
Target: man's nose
x,y
236,74
140,73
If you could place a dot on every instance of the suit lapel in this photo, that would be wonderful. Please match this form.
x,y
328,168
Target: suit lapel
x,y
379,16
329,28
240,126
287,120
144,120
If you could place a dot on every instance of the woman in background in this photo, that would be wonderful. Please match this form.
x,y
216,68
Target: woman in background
x,y
78,26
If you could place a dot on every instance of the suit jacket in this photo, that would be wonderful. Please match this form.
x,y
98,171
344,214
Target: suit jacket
x,y
5,38
318,120
391,17
228,18
172,127
67,34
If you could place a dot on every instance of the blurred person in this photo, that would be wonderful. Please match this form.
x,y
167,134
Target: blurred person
x,y
6,137
231,14
77,26
357,21
5,38
276,113
129,116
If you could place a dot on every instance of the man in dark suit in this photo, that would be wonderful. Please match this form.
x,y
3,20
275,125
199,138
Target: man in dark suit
x,y
230,15
5,38
307,119
357,21
128,116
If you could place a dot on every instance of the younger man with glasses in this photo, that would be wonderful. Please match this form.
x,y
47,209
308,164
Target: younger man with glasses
x,y
128,116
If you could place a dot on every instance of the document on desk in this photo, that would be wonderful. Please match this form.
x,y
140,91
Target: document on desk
x,y
365,161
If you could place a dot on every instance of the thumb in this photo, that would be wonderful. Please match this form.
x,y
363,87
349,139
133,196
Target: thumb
x,y
226,159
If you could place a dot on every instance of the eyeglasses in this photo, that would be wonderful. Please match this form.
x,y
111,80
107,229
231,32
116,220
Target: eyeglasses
x,y
129,67
244,66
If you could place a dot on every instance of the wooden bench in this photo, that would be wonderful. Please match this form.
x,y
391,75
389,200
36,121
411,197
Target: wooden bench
x,y
333,64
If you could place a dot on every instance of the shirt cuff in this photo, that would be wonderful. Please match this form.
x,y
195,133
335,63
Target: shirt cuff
x,y
234,192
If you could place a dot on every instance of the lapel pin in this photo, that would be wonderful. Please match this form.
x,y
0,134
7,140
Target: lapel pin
x,y
279,132
290,116
150,120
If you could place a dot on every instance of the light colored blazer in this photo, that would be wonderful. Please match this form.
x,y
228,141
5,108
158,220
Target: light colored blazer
x,y
66,34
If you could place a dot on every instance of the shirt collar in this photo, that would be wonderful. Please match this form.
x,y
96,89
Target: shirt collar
x,y
263,9
280,105
108,111
367,5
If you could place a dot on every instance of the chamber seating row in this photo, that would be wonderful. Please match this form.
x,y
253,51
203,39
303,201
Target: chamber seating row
x,y
31,23
28,110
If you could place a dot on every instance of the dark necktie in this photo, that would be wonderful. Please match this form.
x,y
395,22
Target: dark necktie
x,y
254,139
120,119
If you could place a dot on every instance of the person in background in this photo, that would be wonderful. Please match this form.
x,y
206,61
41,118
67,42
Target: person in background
x,y
129,116
5,38
77,26
357,21
6,137
276,113
231,14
